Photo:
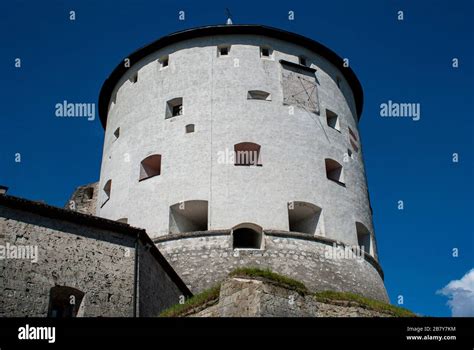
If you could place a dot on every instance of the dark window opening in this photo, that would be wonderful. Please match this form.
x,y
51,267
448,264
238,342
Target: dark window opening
x,y
64,302
223,50
259,95
164,61
150,167
265,52
334,171
363,238
332,120
174,108
107,190
247,238
247,154
177,110
305,218
189,128
188,216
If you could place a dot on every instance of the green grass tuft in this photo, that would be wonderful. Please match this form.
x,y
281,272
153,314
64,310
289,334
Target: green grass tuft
x,y
371,304
269,275
191,303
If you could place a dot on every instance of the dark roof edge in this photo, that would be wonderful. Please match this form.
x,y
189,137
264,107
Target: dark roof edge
x,y
75,217
249,29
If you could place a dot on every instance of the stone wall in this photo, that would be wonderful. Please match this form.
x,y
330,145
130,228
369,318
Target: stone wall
x,y
249,297
84,199
203,259
157,290
93,255
97,262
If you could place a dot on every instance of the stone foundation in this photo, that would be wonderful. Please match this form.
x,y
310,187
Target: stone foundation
x,y
249,297
203,259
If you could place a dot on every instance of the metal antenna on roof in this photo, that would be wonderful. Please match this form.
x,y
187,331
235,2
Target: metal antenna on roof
x,y
229,16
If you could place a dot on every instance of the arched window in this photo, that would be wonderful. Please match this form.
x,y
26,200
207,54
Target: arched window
x,y
64,302
247,154
188,216
150,166
305,217
363,238
259,95
334,171
247,236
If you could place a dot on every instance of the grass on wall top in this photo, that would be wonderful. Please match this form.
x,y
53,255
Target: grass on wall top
x,y
193,302
212,294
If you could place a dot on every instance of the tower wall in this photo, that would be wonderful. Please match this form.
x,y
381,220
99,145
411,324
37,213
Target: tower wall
x,y
214,92
295,139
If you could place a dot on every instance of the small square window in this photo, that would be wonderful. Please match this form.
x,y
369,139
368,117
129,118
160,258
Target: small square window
x,y
265,52
134,78
189,128
223,51
164,61
174,108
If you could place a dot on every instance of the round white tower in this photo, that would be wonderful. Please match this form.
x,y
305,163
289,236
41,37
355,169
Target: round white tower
x,y
238,145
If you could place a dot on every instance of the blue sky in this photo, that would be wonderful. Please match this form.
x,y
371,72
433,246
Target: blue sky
x,y
403,61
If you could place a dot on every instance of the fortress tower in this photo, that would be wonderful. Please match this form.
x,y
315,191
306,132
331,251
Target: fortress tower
x,y
238,145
